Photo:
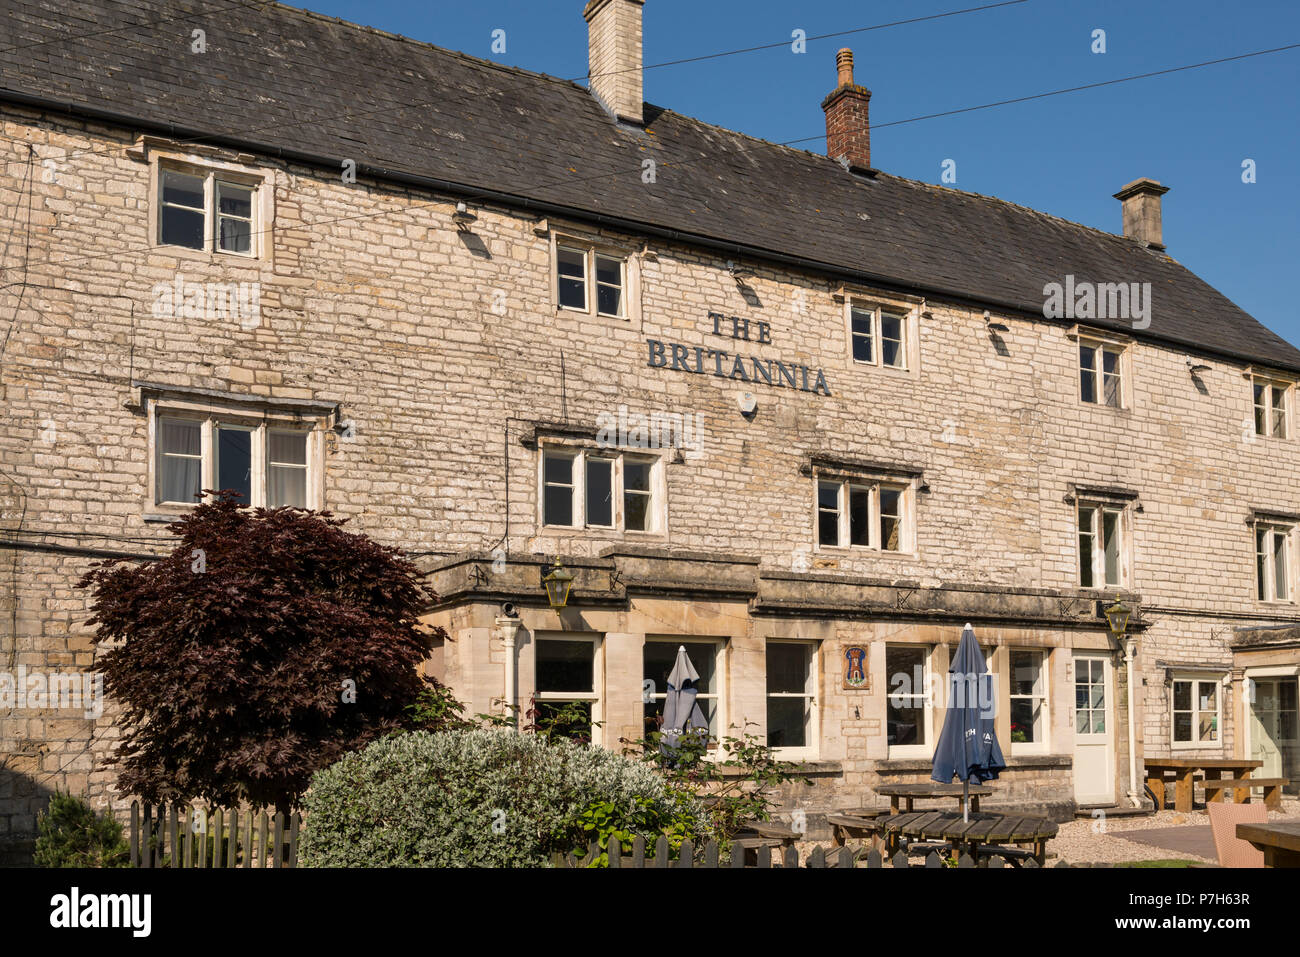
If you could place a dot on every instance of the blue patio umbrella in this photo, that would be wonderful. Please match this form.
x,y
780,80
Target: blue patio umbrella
x,y
968,745
682,714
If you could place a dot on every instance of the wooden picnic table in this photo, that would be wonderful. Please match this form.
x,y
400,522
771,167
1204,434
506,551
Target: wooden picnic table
x,y
981,831
755,835
1280,842
1184,772
898,793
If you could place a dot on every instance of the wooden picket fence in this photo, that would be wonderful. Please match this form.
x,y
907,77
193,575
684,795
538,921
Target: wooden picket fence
x,y
185,836
763,858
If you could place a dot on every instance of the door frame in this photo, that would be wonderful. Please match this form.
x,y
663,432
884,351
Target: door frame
x,y
1108,683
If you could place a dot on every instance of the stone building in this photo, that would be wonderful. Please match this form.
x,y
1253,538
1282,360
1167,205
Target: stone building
x,y
798,415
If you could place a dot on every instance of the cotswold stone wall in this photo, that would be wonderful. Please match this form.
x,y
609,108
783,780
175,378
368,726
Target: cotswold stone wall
x,y
441,346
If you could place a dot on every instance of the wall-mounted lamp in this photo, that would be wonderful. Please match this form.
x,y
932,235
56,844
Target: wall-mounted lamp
x,y
463,217
992,326
1195,369
557,584
738,272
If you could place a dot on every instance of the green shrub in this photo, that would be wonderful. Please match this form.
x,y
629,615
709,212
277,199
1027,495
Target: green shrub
x,y
481,798
71,834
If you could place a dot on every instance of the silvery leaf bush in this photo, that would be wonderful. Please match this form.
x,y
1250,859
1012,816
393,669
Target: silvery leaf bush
x,y
481,798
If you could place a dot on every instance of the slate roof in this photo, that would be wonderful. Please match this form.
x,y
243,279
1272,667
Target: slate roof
x,y
276,77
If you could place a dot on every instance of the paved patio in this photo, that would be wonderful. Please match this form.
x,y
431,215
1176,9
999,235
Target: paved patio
x,y
1195,840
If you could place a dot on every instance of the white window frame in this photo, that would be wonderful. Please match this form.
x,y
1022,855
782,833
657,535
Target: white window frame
x,y
1274,531
596,696
590,252
1045,698
1100,346
211,418
658,511
812,681
718,696
214,175
925,749
873,487
1268,408
1196,680
1096,531
874,313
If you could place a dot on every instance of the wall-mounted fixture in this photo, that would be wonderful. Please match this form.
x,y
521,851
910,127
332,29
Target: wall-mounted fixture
x,y
557,584
738,272
1196,369
992,326
463,218
747,403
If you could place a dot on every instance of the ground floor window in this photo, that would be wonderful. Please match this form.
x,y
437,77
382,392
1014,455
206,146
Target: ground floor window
x,y
1028,698
1196,711
791,695
907,713
567,686
659,656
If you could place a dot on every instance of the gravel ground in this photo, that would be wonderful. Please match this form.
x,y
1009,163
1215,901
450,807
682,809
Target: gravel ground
x,y
1095,842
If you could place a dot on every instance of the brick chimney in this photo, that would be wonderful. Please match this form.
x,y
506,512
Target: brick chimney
x,y
1141,199
848,133
614,56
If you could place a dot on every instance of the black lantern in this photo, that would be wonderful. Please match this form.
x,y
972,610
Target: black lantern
x,y
557,584
1117,616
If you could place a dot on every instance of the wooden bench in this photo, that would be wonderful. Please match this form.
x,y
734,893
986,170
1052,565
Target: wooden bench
x,y
1241,789
1012,855
854,826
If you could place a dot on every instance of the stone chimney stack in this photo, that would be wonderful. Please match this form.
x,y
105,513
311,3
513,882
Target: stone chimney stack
x,y
614,56
848,132
1141,199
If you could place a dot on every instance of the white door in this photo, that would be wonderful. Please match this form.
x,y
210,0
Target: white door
x,y
1273,726
1094,731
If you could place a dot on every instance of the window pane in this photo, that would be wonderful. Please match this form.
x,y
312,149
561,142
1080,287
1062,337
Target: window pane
x,y
1261,563
1261,420
636,511
558,469
1111,390
234,235
1182,726
1207,696
905,678
1109,362
862,340
890,519
859,516
1182,696
182,227
289,448
609,300
1026,672
286,485
701,654
891,340
572,268
636,475
235,200
557,505
1110,542
235,461
181,189
181,438
1085,547
787,668
787,722
1209,727
576,726
1281,591
1279,412
1087,373
600,492
609,271
565,666
905,721
1025,715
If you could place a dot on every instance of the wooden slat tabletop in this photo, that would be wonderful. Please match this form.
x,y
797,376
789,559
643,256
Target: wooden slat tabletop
x,y
1285,835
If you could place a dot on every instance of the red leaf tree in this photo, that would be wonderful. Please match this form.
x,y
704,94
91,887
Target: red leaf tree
x,y
266,645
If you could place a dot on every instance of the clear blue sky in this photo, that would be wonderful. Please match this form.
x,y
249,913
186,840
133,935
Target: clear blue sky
x,y
1064,155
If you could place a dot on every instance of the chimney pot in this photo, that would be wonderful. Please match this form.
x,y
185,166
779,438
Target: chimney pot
x,y
614,57
1141,210
848,129
844,63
